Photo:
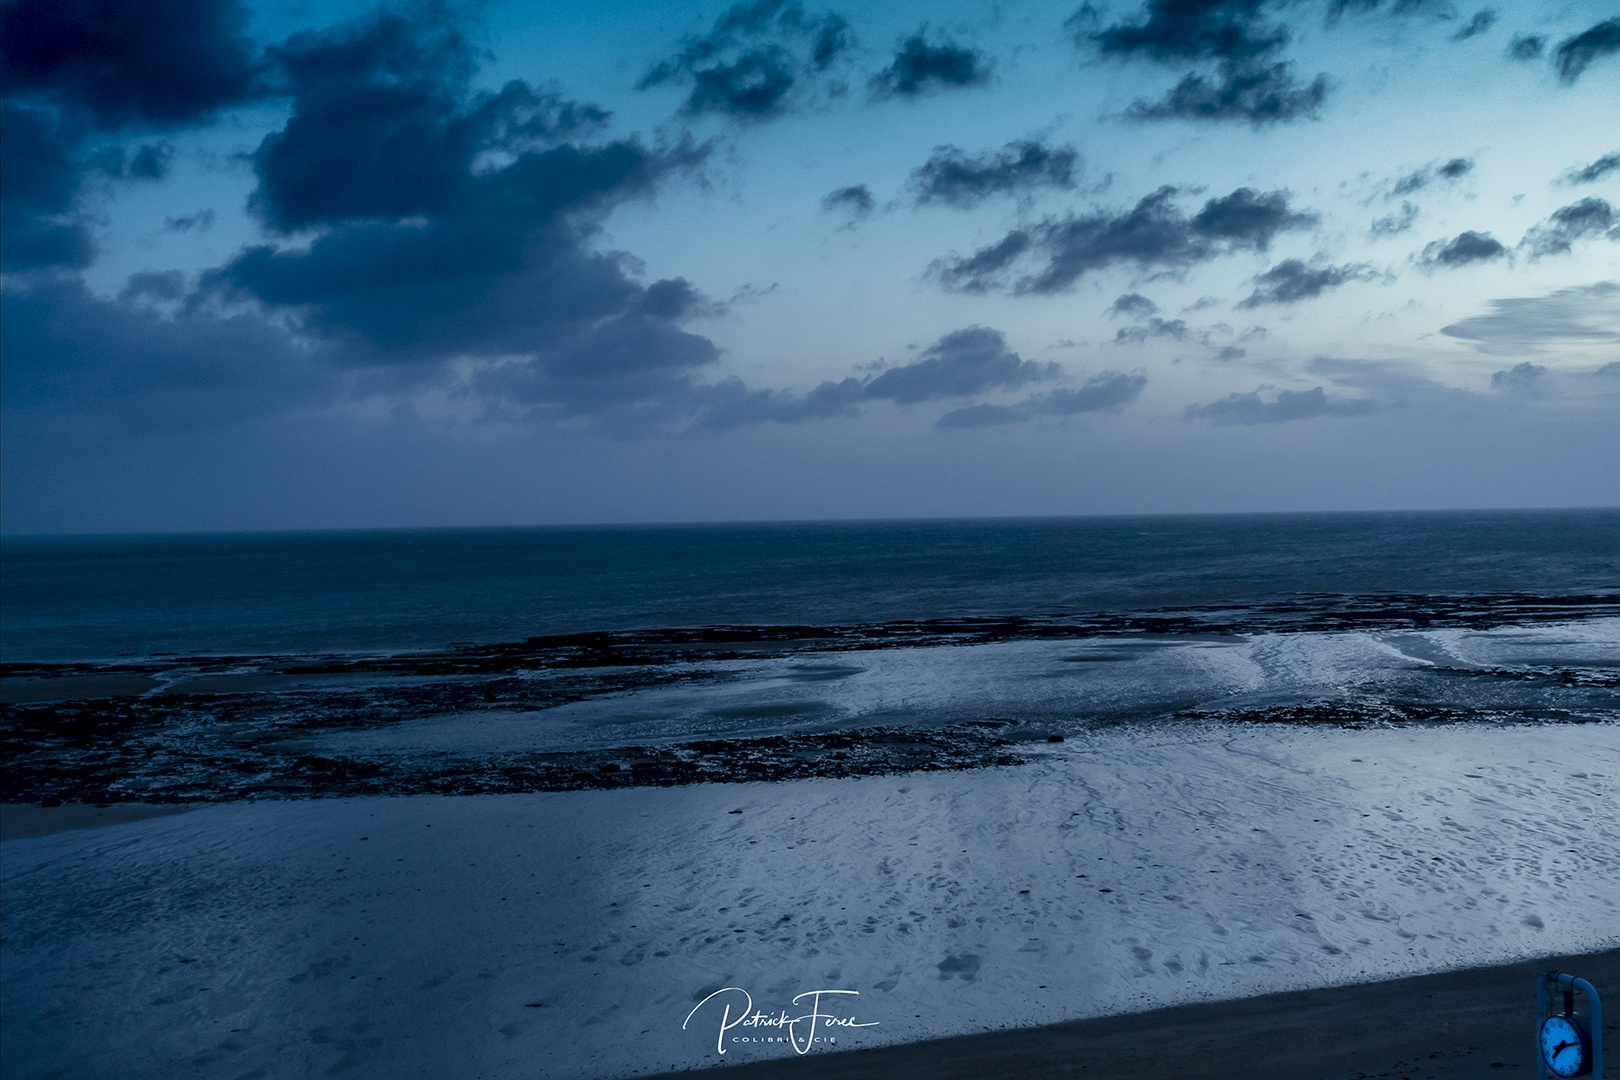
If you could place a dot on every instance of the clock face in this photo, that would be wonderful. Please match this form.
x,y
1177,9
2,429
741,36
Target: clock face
x,y
1562,1046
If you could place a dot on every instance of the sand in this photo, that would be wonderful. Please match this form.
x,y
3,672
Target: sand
x,y
19,821
1459,1025
568,935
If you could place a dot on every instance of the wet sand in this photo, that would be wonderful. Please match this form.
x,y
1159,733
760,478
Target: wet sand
x,y
19,821
1459,1025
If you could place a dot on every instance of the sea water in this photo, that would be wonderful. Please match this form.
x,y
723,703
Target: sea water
x,y
105,597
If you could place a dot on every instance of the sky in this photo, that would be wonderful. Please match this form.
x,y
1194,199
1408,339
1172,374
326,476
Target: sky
x,y
297,265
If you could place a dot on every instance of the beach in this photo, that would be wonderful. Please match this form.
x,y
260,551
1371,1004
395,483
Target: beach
x,y
1459,1025
572,934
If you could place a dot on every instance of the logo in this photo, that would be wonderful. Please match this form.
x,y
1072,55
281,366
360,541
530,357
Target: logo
x,y
801,1032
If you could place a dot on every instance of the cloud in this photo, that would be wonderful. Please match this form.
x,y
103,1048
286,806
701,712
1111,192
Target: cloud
x,y
1153,234
1482,21
1155,327
1600,168
1519,377
1291,281
1589,313
1418,179
1465,248
62,347
1439,9
1564,226
123,62
1133,304
423,255
1107,391
960,364
1574,54
754,59
1250,85
1259,94
951,176
919,66
442,241
39,184
1191,30
1393,224
76,71
1527,46
856,201
1288,405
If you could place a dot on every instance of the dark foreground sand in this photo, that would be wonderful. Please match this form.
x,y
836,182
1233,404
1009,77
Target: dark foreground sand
x,y
19,821
1461,1025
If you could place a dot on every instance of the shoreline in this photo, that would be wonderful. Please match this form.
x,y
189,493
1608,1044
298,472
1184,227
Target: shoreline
x,y
1454,1025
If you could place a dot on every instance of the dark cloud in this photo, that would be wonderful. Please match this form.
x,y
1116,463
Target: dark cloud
x,y
60,347
1468,247
1154,327
1153,234
421,256
444,239
1399,8
1257,93
1574,54
1455,169
951,176
1588,313
39,184
1519,377
1393,224
919,66
1291,281
856,200
73,71
125,62
1288,405
1231,352
752,61
1556,235
1250,83
1527,46
960,364
1133,304
1191,30
1600,168
1107,391
1482,21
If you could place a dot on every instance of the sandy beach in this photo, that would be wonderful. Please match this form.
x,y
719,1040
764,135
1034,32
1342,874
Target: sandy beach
x,y
1459,1025
573,934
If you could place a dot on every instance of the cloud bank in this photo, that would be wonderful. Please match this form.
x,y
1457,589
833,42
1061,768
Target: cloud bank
x,y
1154,234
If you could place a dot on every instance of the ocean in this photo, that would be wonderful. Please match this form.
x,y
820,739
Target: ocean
x,y
102,598
506,660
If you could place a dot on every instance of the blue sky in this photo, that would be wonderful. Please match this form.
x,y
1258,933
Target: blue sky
x,y
300,266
